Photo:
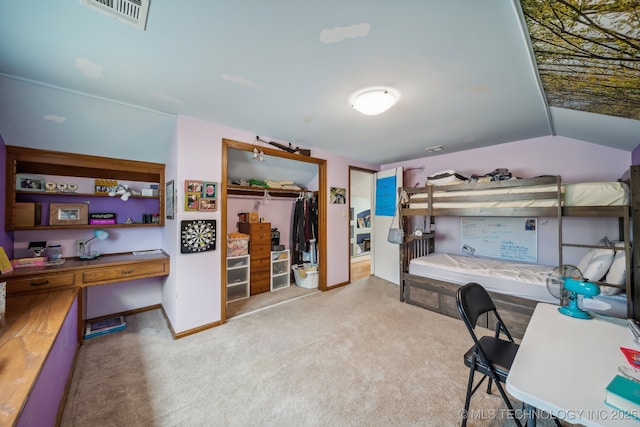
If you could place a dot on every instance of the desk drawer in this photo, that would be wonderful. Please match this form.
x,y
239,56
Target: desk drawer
x,y
124,272
40,282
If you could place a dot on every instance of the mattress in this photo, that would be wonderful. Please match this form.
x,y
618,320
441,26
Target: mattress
x,y
582,194
521,280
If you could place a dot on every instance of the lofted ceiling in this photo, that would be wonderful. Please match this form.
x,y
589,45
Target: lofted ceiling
x,y
75,79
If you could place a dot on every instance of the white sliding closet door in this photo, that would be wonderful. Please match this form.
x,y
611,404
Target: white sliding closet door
x,y
385,256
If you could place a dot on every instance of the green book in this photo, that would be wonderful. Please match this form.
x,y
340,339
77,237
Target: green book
x,y
624,394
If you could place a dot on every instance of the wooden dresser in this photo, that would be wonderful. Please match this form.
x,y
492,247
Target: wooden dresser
x,y
260,251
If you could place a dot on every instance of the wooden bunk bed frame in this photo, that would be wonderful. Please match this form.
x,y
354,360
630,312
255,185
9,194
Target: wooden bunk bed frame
x,y
439,296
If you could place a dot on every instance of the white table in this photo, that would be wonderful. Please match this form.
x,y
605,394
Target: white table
x,y
564,365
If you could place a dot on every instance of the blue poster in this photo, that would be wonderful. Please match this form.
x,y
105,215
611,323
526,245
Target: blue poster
x,y
386,196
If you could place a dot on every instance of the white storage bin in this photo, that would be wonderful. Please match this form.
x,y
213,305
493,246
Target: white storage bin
x,y
308,282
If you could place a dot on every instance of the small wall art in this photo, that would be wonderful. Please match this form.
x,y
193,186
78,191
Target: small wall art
x,y
192,193
191,186
210,205
338,195
169,195
191,201
209,190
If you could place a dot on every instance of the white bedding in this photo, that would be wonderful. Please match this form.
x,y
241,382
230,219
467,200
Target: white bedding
x,y
582,194
505,277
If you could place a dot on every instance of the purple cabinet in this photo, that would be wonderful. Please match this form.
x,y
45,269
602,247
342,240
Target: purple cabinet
x,y
41,409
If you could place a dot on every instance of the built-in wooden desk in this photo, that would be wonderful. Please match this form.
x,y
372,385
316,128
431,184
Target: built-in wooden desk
x,y
109,268
37,349
44,324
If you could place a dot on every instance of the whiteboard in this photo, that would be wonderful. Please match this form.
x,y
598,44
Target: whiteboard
x,y
514,239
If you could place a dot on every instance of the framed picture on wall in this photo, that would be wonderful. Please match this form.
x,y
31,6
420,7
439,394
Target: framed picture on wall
x,y
209,190
338,195
169,199
191,201
191,186
207,205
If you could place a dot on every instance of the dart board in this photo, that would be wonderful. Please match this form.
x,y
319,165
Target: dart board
x,y
198,235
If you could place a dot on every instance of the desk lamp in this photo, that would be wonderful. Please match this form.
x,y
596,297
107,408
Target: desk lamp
x,y
97,234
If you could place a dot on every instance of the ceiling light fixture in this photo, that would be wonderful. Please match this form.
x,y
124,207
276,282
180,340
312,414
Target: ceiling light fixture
x,y
374,100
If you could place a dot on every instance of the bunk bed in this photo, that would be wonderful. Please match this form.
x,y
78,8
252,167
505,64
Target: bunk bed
x,y
430,279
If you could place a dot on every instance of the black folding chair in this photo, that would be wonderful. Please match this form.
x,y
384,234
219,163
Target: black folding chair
x,y
491,356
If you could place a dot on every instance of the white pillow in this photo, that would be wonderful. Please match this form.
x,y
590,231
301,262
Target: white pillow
x,y
595,264
617,275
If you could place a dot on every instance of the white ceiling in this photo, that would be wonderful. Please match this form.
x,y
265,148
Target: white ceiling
x,y
74,79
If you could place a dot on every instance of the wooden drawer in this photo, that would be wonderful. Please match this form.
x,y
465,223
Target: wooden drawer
x,y
256,229
124,272
260,282
259,275
40,282
260,264
262,250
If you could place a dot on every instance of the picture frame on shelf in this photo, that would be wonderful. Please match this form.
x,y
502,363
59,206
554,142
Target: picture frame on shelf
x,y
191,201
68,214
209,190
169,199
206,204
191,186
27,182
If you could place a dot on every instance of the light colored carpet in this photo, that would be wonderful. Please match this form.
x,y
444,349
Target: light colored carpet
x,y
266,299
352,356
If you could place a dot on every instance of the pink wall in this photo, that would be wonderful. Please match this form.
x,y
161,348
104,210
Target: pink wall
x,y
575,161
279,212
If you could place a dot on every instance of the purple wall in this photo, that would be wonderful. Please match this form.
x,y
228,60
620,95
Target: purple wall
x,y
6,238
635,156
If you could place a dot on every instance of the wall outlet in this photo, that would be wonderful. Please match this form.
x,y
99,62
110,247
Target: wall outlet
x,y
80,246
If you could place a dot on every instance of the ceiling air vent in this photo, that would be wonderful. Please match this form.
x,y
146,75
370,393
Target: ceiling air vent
x,y
133,12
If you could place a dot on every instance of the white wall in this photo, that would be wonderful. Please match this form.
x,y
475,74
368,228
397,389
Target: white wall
x,y
575,161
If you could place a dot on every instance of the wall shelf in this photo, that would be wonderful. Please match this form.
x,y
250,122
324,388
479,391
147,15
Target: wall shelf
x,y
259,191
80,168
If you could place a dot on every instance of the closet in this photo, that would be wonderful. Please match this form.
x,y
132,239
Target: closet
x,y
273,212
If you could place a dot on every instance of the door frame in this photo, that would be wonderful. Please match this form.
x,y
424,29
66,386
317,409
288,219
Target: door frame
x,y
371,172
321,246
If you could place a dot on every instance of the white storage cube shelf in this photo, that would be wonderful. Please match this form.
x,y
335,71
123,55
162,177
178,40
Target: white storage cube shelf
x,y
237,277
280,276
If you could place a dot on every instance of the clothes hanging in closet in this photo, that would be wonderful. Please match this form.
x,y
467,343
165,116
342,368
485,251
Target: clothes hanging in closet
x,y
305,226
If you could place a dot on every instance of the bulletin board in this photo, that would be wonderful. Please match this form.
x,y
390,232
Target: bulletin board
x,y
386,191
514,239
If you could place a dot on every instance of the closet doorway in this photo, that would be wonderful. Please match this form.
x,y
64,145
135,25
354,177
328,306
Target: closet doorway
x,y
360,217
260,163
